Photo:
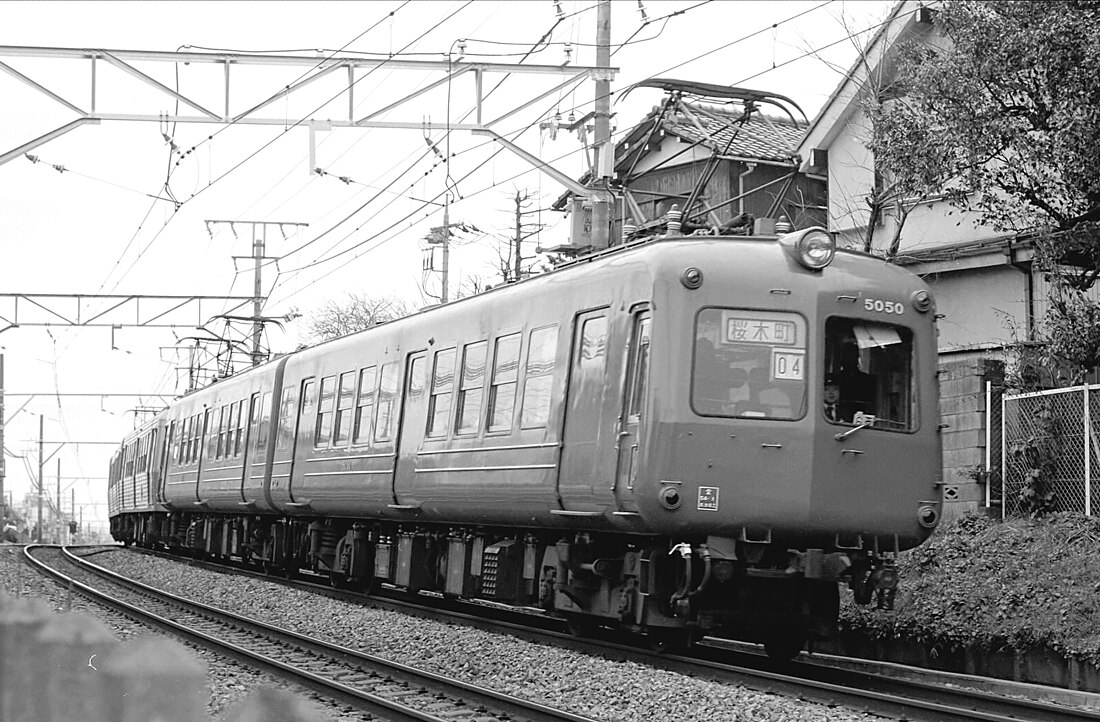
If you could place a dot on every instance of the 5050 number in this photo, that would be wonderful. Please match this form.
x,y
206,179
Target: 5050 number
x,y
877,305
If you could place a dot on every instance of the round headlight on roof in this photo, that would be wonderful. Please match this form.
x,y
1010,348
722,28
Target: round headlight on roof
x,y
815,248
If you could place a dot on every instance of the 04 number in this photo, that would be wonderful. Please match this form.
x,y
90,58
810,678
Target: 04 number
x,y
877,305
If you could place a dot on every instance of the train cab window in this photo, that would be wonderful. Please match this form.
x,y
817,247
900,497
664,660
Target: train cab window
x,y
387,402
502,393
323,431
749,364
439,404
868,374
364,405
539,379
345,397
471,388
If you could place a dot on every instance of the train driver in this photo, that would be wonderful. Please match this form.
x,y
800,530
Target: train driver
x,y
855,390
832,398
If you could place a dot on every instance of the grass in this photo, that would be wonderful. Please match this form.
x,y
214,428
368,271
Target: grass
x,y
989,585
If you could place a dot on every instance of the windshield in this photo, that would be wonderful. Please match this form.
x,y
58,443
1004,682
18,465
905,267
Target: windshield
x,y
869,374
749,364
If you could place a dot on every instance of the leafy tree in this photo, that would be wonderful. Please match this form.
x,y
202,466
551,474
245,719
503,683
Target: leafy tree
x,y
1002,117
356,312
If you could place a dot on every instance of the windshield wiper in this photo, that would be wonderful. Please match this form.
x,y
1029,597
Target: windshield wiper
x,y
862,425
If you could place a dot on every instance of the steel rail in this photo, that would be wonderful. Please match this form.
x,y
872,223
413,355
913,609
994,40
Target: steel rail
x,y
923,696
370,683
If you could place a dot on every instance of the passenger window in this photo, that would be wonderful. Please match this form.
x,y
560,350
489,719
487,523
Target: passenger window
x,y
387,400
306,405
239,428
325,411
288,406
471,388
439,405
538,381
639,371
200,431
364,405
594,342
502,394
343,408
216,443
264,430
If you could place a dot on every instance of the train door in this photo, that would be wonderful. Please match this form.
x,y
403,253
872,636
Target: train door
x,y
414,417
303,437
634,400
586,478
247,444
167,444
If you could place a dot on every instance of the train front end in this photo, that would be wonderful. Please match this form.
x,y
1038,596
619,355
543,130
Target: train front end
x,y
797,445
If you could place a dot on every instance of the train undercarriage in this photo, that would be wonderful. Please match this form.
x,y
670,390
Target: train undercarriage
x,y
668,594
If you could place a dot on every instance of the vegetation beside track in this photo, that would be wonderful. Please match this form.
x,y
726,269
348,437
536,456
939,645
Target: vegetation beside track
x,y
991,585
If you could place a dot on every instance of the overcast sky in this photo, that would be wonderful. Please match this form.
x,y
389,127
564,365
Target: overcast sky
x,y
107,224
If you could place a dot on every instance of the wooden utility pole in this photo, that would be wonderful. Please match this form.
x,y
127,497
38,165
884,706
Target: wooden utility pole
x,y
259,247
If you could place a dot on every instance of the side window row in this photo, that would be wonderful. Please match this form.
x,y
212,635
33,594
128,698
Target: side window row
x,y
224,430
501,403
348,403
348,406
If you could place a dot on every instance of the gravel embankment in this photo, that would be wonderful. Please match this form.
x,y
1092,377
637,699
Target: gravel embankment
x,y
616,691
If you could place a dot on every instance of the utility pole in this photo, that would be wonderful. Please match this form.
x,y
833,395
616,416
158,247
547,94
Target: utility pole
x,y
259,247
59,534
3,497
446,242
41,463
518,258
605,150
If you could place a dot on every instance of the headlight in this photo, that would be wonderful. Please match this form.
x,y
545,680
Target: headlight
x,y
815,248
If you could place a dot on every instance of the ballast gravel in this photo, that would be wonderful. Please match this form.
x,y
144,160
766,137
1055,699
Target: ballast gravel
x,y
587,685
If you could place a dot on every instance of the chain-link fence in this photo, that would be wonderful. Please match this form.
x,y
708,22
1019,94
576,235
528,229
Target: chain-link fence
x,y
1049,451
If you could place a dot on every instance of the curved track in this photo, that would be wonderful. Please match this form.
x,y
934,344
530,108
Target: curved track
x,y
386,689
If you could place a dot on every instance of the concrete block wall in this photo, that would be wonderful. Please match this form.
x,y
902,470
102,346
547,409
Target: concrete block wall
x,y
56,667
963,420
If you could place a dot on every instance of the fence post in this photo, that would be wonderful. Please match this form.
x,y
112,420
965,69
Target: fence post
x,y
1087,438
1004,456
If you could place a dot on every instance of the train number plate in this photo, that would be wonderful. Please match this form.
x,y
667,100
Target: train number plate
x,y
708,498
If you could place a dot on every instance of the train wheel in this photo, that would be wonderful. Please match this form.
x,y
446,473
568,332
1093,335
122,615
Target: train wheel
x,y
580,626
672,641
784,645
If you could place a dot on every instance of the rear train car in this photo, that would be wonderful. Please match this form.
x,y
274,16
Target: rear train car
x,y
683,435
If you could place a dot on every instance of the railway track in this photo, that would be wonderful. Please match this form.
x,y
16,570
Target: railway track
x,y
918,695
382,688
